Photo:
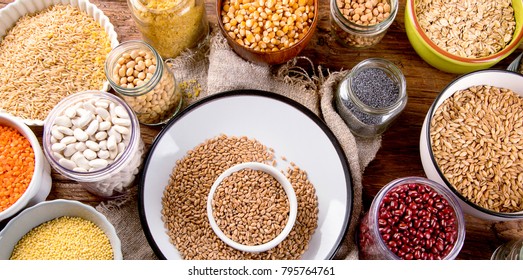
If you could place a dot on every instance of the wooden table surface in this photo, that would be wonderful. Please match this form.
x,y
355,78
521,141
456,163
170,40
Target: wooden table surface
x,y
399,154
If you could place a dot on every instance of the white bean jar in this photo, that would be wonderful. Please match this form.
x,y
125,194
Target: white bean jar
x,y
93,137
138,74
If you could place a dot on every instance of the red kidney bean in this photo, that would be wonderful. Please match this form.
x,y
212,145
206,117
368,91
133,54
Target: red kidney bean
x,y
416,222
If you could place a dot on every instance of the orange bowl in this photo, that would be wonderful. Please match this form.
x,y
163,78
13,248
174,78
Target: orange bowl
x,y
268,57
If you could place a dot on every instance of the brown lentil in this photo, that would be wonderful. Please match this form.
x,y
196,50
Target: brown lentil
x,y
250,207
477,142
267,25
184,201
64,238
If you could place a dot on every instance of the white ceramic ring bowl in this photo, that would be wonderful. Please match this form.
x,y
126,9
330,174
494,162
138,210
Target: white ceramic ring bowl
x,y
491,77
289,191
40,184
49,210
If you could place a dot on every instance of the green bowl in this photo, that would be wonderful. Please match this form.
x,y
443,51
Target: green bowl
x,y
447,62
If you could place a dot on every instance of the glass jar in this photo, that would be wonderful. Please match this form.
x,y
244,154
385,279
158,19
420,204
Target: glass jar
x,y
412,218
93,137
512,250
170,26
371,96
356,35
152,92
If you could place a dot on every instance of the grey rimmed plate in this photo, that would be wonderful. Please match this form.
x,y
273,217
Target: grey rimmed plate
x,y
277,122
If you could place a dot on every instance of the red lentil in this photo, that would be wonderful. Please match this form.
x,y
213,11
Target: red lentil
x,y
17,162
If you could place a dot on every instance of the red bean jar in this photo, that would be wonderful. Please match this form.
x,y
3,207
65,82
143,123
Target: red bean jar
x,y
412,218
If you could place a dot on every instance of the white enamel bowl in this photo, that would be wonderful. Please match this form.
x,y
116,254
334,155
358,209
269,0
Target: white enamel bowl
x,y
497,78
286,126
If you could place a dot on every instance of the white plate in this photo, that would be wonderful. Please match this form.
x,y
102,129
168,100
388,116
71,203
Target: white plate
x,y
277,122
10,14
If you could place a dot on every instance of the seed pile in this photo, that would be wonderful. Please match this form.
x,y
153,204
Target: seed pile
x,y
184,201
267,25
17,163
365,12
374,88
64,238
477,141
467,28
47,56
250,207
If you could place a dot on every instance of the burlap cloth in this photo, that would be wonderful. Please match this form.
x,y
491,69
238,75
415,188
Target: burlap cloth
x,y
216,68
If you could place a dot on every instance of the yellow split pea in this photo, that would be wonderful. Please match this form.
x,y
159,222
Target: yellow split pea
x,y
64,238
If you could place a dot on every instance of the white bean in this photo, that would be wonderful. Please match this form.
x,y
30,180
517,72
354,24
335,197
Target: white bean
x,y
88,105
80,146
63,121
122,122
103,154
101,104
58,147
70,150
90,154
65,130
92,128
68,140
111,143
102,112
122,129
121,147
92,145
121,112
66,163
100,135
106,125
98,163
56,134
79,169
80,160
116,134
103,145
80,135
53,140
70,112
113,154
84,119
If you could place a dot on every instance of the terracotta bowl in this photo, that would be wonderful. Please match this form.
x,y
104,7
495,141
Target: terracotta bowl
x,y
273,57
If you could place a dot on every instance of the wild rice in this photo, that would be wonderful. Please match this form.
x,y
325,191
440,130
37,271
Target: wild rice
x,y
184,201
47,56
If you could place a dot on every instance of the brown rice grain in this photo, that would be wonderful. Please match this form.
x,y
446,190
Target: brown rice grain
x,y
47,56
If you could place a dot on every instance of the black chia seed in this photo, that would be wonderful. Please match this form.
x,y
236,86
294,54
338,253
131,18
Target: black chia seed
x,y
375,89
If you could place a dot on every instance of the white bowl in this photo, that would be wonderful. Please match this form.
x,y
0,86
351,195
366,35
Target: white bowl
x,y
291,196
497,78
40,184
10,14
49,210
